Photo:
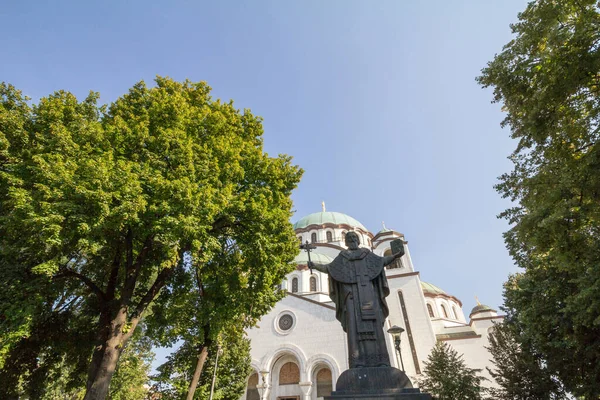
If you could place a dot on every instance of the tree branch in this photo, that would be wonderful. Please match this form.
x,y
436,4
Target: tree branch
x,y
65,273
133,269
114,273
159,282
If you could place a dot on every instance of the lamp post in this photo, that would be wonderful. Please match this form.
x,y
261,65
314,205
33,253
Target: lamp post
x,y
262,387
396,331
212,385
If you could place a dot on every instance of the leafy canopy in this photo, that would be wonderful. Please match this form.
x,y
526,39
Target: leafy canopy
x,y
101,207
447,377
233,368
520,373
548,80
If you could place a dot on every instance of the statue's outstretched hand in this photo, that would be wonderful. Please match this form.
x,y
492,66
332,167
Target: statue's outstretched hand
x,y
311,264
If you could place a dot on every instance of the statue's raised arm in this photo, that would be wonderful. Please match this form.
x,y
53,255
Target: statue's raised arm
x,y
397,251
319,267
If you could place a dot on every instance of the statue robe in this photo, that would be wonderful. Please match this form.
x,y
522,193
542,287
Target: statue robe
x,y
358,287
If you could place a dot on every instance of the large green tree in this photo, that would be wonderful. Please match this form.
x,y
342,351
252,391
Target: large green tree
x,y
447,377
200,304
233,368
548,81
108,204
519,372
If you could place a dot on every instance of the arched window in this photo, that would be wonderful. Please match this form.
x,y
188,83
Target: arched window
x,y
343,236
430,310
313,284
289,374
329,236
295,285
324,382
251,390
454,312
444,311
313,237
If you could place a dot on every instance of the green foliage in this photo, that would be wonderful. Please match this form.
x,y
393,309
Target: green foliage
x,y
132,374
103,206
233,369
446,376
520,373
548,80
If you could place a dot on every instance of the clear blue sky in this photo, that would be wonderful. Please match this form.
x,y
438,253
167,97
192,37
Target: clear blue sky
x,y
376,100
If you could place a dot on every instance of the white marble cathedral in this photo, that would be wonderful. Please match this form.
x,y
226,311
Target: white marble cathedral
x,y
299,348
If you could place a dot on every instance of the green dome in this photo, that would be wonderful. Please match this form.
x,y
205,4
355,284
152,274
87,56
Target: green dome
x,y
481,308
431,289
321,259
328,217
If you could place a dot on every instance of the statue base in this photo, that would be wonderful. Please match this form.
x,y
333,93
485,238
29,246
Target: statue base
x,y
375,383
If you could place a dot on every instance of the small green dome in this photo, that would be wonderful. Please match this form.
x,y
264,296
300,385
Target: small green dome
x,y
481,308
321,259
431,289
328,217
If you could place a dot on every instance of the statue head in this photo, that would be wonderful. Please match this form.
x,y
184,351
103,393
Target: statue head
x,y
352,240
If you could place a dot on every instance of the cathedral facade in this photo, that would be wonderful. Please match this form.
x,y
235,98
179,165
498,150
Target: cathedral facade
x,y
299,348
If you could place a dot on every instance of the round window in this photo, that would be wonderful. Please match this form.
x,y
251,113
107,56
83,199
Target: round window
x,y
285,322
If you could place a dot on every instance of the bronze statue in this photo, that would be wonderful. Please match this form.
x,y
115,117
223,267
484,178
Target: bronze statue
x,y
358,287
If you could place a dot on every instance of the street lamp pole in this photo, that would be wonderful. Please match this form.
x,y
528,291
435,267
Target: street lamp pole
x,y
396,332
262,387
212,385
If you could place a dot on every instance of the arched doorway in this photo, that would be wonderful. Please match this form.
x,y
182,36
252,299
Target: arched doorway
x,y
322,382
285,376
251,390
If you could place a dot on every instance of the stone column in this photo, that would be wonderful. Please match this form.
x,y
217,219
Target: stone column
x,y
264,385
306,388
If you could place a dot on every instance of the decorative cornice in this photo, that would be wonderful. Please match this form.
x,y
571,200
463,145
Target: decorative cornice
x,y
484,318
388,233
444,296
331,246
333,226
378,242
482,311
443,337
402,275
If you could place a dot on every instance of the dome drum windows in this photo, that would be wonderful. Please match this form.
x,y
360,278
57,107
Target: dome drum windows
x,y
329,236
295,285
313,237
444,311
313,284
430,311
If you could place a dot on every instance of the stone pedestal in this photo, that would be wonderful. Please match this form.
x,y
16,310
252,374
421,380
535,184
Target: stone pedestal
x,y
381,383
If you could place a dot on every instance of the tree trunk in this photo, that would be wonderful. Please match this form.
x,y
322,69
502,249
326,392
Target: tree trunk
x,y
199,365
106,356
98,390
